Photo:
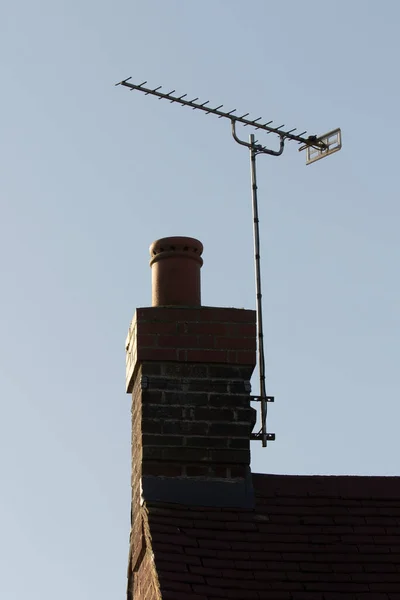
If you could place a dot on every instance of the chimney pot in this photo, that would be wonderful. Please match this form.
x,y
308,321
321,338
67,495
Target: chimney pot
x,y
175,265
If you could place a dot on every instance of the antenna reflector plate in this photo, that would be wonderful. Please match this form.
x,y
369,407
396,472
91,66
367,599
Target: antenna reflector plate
x,y
333,143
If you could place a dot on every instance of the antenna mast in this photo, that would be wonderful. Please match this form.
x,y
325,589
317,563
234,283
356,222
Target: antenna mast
x,y
316,148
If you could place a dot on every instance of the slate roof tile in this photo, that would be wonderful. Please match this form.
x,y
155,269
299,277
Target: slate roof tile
x,y
308,538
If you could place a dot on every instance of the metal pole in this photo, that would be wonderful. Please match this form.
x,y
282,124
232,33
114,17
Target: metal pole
x,y
260,333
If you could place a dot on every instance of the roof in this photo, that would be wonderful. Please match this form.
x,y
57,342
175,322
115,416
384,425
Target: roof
x,y
308,538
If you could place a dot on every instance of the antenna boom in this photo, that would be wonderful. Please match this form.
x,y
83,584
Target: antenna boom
x,y
287,135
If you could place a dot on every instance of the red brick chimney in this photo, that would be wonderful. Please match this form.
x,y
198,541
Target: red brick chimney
x,y
188,368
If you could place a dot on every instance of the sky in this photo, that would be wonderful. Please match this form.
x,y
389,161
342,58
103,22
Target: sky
x,y
92,174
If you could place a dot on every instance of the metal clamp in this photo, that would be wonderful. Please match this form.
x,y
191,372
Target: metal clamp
x,y
257,148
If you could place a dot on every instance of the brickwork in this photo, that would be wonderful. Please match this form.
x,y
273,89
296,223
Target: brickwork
x,y
197,335
136,475
143,582
189,370
142,576
196,420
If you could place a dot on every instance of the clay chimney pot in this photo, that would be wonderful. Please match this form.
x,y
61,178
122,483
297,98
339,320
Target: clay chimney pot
x,y
175,264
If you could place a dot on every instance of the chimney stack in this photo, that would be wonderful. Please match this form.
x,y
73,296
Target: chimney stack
x,y
188,368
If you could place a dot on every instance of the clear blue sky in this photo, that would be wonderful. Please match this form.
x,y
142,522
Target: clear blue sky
x,y
91,174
